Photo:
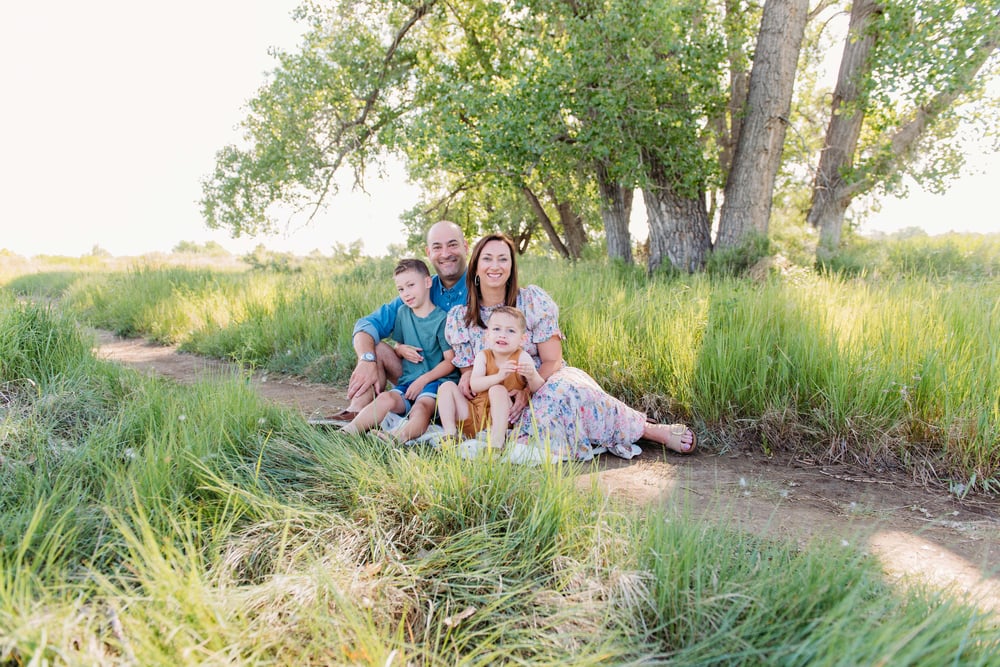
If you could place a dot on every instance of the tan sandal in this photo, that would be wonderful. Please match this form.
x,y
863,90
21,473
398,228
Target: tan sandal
x,y
670,433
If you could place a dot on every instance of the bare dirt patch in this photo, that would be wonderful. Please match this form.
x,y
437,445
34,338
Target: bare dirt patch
x,y
920,534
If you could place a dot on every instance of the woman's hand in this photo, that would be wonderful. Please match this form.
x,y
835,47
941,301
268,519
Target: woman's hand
x,y
520,402
464,384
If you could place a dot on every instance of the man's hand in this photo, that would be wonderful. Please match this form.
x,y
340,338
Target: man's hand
x,y
520,398
364,378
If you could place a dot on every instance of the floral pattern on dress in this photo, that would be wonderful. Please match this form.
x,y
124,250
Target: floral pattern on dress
x,y
570,413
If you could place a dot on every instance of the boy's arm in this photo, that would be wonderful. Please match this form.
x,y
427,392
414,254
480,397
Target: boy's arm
x,y
442,369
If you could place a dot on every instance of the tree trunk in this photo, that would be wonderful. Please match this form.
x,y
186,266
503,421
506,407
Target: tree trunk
x,y
572,224
616,209
545,222
679,229
830,197
729,134
746,206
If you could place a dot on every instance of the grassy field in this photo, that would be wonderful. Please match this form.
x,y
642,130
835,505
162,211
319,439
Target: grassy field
x,y
892,360
149,524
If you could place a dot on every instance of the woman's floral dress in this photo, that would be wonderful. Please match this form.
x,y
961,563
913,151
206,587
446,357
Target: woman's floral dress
x,y
570,412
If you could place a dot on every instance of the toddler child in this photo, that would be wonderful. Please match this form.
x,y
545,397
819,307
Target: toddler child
x,y
501,367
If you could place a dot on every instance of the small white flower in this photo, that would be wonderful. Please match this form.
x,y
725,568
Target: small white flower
x,y
743,482
261,421
129,453
181,417
843,543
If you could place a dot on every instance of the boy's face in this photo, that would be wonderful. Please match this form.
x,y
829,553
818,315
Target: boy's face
x,y
414,288
504,333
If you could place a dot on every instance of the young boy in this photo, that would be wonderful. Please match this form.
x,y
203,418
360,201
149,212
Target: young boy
x,y
501,367
425,354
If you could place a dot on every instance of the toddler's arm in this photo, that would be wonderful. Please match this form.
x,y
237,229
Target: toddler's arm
x,y
480,381
526,368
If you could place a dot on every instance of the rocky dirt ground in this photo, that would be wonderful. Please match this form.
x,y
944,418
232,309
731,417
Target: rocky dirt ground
x,y
919,534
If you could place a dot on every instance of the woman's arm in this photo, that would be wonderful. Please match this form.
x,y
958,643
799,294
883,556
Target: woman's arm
x,y
550,354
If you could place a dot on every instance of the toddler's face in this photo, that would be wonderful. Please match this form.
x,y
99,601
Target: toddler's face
x,y
503,333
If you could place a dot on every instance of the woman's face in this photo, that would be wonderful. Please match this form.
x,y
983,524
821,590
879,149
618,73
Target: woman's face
x,y
494,264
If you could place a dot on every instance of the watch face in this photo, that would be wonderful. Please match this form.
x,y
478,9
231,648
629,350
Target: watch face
x,y
368,356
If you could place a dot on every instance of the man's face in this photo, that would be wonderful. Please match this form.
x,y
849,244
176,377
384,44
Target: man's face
x,y
448,252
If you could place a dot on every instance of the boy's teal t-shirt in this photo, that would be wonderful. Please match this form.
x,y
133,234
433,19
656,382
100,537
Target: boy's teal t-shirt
x,y
426,333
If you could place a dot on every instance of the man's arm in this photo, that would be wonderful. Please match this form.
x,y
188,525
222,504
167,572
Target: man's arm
x,y
378,324
367,332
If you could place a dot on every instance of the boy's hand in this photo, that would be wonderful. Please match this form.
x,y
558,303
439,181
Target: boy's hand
x,y
417,386
526,367
410,353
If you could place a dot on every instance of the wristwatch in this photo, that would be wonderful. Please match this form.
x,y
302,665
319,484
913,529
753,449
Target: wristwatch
x,y
368,356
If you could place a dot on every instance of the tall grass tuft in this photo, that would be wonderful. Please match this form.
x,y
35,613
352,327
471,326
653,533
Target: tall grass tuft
x,y
714,601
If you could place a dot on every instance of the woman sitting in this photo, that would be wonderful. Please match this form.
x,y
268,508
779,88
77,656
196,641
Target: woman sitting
x,y
570,413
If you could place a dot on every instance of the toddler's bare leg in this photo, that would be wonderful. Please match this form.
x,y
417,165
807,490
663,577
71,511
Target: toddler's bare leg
x,y
452,407
499,412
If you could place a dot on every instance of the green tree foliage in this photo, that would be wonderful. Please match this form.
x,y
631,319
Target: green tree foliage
x,y
913,73
531,115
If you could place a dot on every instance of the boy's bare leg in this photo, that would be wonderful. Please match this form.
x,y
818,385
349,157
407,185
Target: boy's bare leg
x,y
499,412
417,420
373,413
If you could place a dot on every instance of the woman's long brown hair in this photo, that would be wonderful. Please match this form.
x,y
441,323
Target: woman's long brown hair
x,y
472,315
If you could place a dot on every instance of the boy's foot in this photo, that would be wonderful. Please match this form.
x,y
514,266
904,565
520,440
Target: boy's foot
x,y
385,436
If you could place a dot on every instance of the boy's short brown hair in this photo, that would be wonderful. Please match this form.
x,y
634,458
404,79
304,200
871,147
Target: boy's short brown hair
x,y
412,265
512,312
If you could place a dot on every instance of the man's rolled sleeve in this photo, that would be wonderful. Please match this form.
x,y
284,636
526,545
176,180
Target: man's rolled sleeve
x,y
380,323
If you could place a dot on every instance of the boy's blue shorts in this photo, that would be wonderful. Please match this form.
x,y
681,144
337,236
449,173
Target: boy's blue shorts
x,y
431,390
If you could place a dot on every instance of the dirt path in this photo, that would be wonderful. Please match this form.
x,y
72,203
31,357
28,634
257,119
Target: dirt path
x,y
917,533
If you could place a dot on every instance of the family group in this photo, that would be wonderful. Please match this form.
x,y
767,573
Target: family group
x,y
484,355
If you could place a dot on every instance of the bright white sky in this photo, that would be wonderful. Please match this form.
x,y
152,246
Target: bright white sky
x,y
114,109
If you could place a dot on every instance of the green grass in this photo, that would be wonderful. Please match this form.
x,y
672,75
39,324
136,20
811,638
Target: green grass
x,y
148,523
895,362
